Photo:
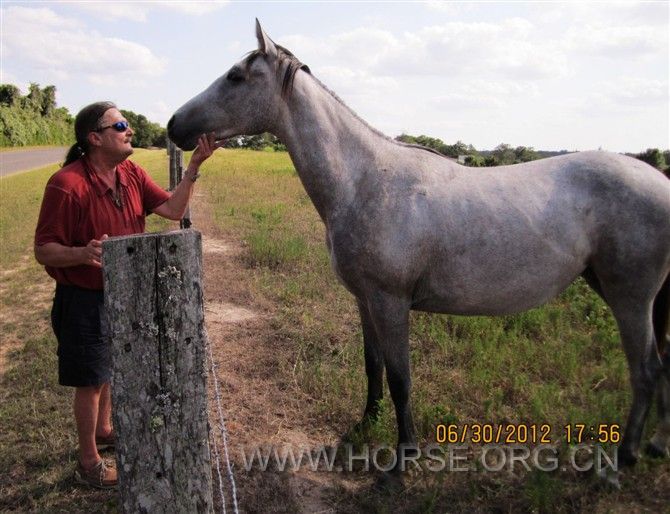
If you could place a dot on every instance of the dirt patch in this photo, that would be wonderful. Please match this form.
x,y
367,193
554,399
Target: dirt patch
x,y
261,401
221,313
219,246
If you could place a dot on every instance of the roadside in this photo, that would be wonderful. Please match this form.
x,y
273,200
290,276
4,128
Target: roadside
x,y
25,159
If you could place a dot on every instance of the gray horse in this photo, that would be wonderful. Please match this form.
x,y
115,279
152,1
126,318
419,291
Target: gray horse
x,y
409,229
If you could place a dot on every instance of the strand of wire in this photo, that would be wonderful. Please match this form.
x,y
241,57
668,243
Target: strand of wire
x,y
218,472
222,428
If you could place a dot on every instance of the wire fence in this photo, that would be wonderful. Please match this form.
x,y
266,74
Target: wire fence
x,y
176,167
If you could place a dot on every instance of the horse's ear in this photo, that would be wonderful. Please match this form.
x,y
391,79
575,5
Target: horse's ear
x,y
265,44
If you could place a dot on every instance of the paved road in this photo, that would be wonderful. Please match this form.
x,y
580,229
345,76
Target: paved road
x,y
13,161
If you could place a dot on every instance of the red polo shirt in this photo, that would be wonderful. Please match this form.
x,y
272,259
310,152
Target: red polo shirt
x,y
78,207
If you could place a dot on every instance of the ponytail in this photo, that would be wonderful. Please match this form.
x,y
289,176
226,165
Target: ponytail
x,y
73,154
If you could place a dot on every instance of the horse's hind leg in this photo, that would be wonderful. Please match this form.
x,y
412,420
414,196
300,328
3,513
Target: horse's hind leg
x,y
374,364
644,365
660,442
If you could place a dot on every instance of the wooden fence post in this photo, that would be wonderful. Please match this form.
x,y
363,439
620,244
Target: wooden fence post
x,y
176,173
153,300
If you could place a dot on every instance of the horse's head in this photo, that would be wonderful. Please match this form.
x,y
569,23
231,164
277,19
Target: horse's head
x,y
245,100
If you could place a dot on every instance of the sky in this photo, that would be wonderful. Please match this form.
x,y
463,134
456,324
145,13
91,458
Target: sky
x,y
550,75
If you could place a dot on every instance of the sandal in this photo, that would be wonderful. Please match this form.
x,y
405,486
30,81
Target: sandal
x,y
100,476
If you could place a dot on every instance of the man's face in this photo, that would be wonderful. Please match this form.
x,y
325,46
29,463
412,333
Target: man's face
x,y
112,141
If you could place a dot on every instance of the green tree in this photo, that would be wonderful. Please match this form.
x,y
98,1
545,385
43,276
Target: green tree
x,y
654,157
33,119
33,100
406,138
458,148
10,95
146,133
48,99
475,161
525,154
504,154
455,150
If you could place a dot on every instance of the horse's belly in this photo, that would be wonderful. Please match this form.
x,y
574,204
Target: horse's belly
x,y
479,292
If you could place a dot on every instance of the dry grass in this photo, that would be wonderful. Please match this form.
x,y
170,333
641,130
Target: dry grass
x,y
289,351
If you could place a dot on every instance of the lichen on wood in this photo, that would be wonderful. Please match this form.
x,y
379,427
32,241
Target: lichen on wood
x,y
158,380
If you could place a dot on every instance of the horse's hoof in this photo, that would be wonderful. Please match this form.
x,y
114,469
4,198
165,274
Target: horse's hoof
x,y
655,452
626,459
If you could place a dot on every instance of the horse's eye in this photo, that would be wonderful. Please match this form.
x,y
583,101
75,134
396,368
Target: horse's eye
x,y
235,75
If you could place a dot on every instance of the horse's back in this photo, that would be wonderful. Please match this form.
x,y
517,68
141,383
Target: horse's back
x,y
533,227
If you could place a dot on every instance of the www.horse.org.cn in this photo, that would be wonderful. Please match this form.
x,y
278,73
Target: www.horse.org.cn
x,y
491,458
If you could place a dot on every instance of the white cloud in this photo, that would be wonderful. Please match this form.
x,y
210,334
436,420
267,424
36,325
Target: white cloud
x,y
62,48
159,112
510,48
444,7
629,93
141,11
481,94
115,10
347,81
193,8
609,13
618,41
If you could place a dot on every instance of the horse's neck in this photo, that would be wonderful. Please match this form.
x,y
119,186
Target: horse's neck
x,y
330,147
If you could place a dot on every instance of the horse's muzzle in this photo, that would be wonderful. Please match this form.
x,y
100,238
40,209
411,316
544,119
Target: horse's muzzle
x,y
180,140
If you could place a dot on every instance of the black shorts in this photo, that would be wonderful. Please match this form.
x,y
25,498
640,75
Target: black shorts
x,y
78,320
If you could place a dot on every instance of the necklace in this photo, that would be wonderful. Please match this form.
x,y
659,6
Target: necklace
x,y
116,198
116,192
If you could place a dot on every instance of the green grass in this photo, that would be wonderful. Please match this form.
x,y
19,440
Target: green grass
x,y
558,364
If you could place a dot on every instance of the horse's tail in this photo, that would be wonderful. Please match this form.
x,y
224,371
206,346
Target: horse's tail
x,y
660,318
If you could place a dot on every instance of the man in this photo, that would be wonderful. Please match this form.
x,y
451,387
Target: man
x,y
98,193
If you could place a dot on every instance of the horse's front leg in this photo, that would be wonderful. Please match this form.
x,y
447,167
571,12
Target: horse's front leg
x,y
374,365
390,318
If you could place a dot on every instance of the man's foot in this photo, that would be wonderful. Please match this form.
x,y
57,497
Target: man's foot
x,y
101,476
105,442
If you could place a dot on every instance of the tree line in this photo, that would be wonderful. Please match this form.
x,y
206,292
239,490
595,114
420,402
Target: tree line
x,y
35,119
505,154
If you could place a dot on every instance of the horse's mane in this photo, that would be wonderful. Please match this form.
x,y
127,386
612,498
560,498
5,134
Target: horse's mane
x,y
290,65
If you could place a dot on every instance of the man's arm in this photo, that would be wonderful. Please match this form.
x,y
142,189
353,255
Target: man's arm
x,y
175,206
57,255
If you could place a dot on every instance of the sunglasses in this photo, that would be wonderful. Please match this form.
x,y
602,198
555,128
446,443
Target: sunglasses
x,y
119,126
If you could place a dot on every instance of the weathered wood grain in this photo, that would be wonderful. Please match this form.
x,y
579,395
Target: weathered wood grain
x,y
153,299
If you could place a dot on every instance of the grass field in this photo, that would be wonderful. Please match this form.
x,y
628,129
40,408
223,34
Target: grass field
x,y
554,365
